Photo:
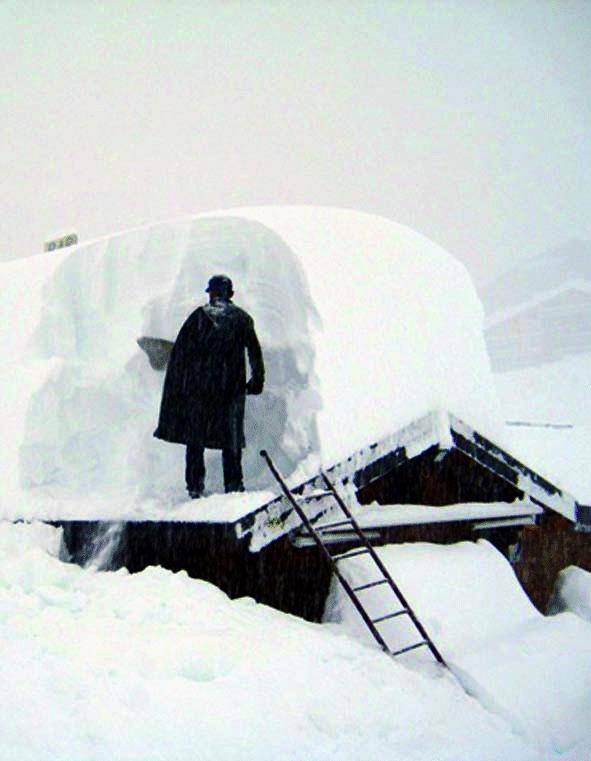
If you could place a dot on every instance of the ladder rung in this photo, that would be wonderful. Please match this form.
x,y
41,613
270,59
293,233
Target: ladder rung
x,y
350,554
390,615
371,584
410,647
310,497
298,496
326,526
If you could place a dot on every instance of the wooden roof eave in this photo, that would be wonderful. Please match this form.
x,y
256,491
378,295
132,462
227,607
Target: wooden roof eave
x,y
504,465
439,431
278,518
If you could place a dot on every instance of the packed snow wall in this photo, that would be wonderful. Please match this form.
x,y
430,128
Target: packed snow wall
x,y
364,325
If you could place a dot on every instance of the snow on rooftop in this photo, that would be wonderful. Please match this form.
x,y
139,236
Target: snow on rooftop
x,y
527,278
541,297
365,326
376,516
400,329
113,506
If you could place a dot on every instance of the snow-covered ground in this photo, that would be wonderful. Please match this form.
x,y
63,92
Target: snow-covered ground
x,y
533,670
549,413
160,666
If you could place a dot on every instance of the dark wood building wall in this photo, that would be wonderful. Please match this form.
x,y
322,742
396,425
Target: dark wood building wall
x,y
545,550
293,580
435,478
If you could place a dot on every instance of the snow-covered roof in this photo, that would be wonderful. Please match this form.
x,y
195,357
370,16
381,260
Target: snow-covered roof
x,y
365,325
526,278
482,514
438,433
536,300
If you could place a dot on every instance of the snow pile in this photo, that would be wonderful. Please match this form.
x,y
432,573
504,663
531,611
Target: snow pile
x,y
401,326
158,666
532,670
82,396
572,592
549,411
364,324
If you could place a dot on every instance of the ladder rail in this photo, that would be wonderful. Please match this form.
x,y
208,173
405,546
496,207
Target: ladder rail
x,y
346,586
369,549
377,560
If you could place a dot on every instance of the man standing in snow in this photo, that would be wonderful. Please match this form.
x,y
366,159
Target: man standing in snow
x,y
205,386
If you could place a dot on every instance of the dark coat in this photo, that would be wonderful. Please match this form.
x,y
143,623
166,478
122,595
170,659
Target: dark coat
x,y
205,384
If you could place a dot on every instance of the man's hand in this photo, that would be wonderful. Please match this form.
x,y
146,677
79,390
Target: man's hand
x,y
254,387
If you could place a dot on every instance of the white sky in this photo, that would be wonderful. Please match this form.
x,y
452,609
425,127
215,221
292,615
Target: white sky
x,y
468,121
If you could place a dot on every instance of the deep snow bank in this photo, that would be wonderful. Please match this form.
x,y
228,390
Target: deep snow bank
x,y
535,671
102,666
364,325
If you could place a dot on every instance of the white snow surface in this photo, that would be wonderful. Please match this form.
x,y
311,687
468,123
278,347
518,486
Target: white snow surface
x,y
534,671
112,506
375,515
572,592
159,666
365,326
553,400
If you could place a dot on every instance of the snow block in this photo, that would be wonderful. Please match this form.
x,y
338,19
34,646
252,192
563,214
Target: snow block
x,y
365,325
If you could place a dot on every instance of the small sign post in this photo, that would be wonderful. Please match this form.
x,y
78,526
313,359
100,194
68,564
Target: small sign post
x,y
65,240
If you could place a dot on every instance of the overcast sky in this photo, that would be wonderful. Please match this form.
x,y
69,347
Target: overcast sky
x,y
468,121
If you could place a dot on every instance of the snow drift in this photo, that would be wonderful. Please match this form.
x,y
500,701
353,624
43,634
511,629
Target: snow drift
x,y
532,670
364,324
550,408
156,665
572,592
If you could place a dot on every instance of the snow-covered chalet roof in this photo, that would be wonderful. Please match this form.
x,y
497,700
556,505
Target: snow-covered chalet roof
x,y
365,325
